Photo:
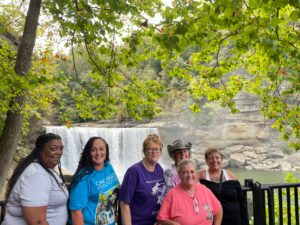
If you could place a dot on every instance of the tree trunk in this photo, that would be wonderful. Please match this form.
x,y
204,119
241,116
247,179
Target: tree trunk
x,y
14,118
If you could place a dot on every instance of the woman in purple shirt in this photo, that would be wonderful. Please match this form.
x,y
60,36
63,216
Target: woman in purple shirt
x,y
143,187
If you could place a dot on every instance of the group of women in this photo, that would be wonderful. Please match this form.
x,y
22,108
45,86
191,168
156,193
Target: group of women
x,y
148,195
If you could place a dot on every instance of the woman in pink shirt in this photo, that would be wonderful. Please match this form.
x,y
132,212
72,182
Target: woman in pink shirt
x,y
190,203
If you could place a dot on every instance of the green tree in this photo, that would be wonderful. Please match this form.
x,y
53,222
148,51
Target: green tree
x,y
250,46
14,117
210,50
96,25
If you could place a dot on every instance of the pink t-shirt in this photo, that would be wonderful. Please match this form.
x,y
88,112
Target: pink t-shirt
x,y
186,210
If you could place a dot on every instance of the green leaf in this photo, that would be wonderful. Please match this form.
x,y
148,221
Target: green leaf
x,y
294,16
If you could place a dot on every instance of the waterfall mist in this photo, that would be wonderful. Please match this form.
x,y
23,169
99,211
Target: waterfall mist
x,y
125,144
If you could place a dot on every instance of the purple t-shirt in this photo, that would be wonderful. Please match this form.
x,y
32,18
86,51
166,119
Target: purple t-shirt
x,y
144,191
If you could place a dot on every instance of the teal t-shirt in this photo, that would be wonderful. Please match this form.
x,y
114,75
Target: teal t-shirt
x,y
96,196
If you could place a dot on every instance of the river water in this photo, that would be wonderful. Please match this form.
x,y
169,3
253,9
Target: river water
x,y
264,177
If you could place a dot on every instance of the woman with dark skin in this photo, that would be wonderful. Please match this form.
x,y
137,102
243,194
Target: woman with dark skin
x,y
225,187
36,193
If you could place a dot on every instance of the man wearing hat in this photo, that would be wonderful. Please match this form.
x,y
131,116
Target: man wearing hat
x,y
178,150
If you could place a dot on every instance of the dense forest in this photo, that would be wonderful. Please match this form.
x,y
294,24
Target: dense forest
x,y
131,60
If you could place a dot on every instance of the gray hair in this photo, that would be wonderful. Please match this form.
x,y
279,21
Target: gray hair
x,y
183,163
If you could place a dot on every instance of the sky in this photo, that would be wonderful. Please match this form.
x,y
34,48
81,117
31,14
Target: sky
x,y
59,43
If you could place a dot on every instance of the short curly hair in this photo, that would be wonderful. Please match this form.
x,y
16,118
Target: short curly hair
x,y
212,150
152,138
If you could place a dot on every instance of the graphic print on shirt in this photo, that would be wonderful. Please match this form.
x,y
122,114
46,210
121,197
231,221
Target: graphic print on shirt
x,y
159,190
209,215
107,207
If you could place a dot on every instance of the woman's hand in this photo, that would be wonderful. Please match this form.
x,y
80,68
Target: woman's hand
x,y
35,215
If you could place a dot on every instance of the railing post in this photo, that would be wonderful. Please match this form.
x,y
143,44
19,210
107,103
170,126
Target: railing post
x,y
258,204
271,205
2,211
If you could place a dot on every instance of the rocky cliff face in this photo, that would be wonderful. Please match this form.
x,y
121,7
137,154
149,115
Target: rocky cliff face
x,y
246,138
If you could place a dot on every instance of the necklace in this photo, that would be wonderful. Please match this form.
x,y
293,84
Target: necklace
x,y
216,178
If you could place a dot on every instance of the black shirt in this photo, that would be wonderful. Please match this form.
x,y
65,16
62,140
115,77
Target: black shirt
x,y
232,200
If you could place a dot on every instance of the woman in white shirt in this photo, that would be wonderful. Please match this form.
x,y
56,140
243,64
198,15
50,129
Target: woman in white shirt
x,y
36,193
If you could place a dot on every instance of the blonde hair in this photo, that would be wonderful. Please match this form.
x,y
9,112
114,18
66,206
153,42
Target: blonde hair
x,y
152,138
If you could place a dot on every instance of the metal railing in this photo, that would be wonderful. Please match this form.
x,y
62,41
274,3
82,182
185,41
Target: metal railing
x,y
2,210
274,204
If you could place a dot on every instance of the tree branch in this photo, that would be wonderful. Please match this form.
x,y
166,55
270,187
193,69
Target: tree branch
x,y
219,49
11,38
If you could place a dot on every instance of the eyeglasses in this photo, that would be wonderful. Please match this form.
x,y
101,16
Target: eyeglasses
x,y
153,150
196,206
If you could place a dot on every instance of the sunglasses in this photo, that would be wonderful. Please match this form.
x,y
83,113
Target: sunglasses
x,y
196,206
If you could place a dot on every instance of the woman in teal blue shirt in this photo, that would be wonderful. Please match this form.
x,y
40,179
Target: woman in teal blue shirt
x,y
94,188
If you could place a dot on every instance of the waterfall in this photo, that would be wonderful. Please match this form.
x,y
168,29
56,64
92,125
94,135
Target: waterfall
x,y
125,144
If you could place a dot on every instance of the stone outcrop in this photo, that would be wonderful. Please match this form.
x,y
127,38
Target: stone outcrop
x,y
246,138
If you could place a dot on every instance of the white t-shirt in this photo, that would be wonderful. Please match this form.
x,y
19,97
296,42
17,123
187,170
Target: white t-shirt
x,y
224,178
36,187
